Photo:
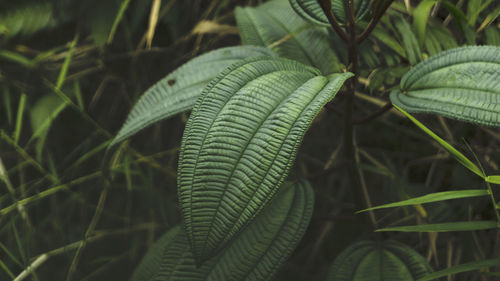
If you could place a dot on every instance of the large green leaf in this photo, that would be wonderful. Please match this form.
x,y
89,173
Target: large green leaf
x,y
240,143
178,91
382,261
311,11
462,83
276,25
255,254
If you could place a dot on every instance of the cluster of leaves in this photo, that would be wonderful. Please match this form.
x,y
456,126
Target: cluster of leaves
x,y
251,105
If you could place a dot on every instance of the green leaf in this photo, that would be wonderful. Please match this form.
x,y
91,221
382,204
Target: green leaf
x,y
420,17
410,42
493,179
275,25
434,197
455,153
445,227
179,91
26,19
240,142
255,254
462,83
311,11
383,261
476,265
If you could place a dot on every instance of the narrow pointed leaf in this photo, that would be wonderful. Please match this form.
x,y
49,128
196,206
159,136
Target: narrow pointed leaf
x,y
445,227
462,83
470,266
311,11
434,197
421,16
409,40
382,261
178,91
455,153
255,254
274,24
493,179
240,143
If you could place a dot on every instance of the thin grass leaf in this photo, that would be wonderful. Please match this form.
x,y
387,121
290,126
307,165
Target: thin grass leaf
x,y
455,153
118,19
433,197
493,179
179,91
445,227
476,265
66,63
7,270
19,119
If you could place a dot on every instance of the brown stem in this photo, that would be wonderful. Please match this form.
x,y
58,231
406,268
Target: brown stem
x,y
373,22
326,5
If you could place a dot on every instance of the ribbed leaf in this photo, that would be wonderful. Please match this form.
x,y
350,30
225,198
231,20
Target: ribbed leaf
x,y
372,261
178,91
275,24
434,197
255,254
462,83
445,227
311,11
410,42
240,143
475,265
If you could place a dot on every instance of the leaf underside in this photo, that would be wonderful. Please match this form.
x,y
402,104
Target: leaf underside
x,y
311,11
254,255
179,90
240,143
462,83
276,24
372,261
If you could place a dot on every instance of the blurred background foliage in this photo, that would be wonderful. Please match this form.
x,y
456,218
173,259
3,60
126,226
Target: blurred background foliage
x,y
70,72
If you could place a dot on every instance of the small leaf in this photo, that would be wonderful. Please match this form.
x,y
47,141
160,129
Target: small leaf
x,y
312,12
462,83
255,254
434,197
178,91
240,142
378,261
493,179
410,42
445,227
420,17
470,266
455,153
274,24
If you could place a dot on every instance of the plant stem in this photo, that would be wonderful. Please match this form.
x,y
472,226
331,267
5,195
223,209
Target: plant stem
x,y
326,6
373,22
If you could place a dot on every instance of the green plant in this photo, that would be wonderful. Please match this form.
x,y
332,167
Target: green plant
x,y
247,123
247,172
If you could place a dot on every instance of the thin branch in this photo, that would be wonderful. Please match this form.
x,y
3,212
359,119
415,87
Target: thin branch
x,y
374,21
326,5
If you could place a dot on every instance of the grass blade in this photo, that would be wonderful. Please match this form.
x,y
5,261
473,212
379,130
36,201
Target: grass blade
x,y
476,265
455,153
434,197
19,120
493,179
444,227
